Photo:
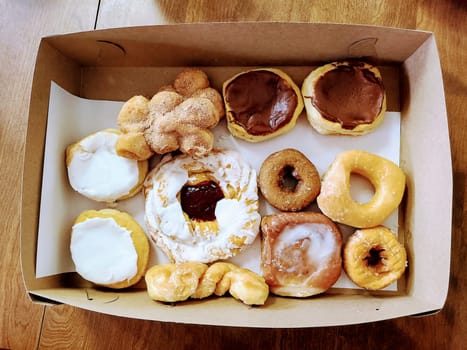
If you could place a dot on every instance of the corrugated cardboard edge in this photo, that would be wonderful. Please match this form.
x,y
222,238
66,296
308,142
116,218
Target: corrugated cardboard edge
x,y
52,289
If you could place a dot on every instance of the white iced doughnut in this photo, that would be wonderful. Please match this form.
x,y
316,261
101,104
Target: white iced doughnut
x,y
202,209
96,171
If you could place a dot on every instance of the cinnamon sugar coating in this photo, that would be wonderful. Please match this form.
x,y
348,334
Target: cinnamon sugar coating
x,y
177,117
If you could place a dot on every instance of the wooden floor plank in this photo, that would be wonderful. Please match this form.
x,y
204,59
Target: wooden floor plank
x,y
118,13
22,23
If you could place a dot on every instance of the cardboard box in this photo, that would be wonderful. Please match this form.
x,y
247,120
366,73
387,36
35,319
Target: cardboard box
x,y
115,64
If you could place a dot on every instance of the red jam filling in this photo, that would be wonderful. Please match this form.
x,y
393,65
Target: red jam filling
x,y
199,201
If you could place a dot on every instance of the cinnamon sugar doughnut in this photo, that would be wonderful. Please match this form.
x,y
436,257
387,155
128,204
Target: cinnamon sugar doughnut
x,y
386,177
374,258
300,253
288,180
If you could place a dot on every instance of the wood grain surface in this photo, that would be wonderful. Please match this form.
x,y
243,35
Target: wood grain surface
x,y
24,325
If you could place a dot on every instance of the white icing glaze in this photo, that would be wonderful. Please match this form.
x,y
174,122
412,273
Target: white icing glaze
x,y
98,172
102,251
236,217
318,240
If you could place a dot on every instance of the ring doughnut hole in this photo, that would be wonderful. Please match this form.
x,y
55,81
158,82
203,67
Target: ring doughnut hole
x,y
361,188
289,179
375,258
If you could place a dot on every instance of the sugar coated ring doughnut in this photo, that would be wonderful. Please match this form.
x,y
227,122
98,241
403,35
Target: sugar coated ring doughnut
x,y
374,258
96,171
288,180
202,209
300,253
109,248
335,199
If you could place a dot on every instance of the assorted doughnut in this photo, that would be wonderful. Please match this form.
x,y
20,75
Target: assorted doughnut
x,y
374,258
202,203
344,97
202,209
178,282
300,253
109,248
288,180
96,171
335,199
261,104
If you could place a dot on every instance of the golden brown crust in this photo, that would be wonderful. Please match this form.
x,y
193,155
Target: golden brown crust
x,y
300,253
139,238
273,175
386,177
178,282
374,258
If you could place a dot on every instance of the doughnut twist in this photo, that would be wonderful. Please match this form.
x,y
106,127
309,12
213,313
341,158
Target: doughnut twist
x,y
178,282
176,117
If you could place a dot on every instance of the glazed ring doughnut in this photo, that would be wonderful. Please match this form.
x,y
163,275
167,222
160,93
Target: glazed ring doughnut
x,y
202,209
374,258
288,180
109,248
386,177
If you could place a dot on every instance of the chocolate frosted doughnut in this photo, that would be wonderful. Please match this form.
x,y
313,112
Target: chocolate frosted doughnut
x,y
261,104
344,98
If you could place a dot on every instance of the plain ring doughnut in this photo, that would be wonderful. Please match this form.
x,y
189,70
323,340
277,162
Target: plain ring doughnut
x,y
289,165
386,177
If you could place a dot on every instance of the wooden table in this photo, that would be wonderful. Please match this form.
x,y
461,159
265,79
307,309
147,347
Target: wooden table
x,y
24,325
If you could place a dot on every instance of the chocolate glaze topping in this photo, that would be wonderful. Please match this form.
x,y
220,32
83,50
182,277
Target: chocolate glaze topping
x,y
261,101
349,94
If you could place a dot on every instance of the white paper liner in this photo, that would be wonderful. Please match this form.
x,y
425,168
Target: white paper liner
x,y
71,118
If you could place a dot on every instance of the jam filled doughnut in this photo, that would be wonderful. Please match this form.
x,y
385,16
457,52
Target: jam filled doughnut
x,y
202,209
335,199
374,258
261,104
96,171
288,180
344,98
109,248
300,253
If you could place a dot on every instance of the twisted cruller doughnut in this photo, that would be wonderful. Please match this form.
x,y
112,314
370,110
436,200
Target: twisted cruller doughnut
x,y
374,258
178,282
